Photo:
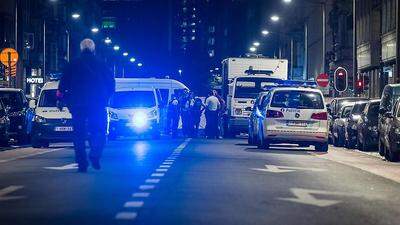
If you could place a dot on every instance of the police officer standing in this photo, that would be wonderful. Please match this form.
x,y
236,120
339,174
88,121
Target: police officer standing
x,y
86,87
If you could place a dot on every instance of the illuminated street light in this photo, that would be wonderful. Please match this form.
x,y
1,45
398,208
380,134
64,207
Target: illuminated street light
x,y
140,64
132,60
274,18
125,54
256,43
75,16
287,1
180,72
95,30
107,41
253,49
116,47
265,32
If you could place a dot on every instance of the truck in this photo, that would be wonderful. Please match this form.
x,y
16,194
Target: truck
x,y
242,80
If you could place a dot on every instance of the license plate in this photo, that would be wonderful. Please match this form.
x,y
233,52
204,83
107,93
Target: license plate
x,y
63,129
296,124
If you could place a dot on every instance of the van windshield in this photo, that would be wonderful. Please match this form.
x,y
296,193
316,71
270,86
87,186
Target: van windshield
x,y
250,87
297,100
48,98
133,99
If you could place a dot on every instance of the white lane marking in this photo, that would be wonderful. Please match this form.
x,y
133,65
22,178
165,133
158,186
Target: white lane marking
x,y
31,155
304,196
168,163
152,181
141,194
157,175
9,190
286,169
146,187
161,170
126,216
65,167
165,166
169,160
134,204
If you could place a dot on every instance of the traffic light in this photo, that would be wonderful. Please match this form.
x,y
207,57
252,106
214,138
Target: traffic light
x,y
359,87
340,79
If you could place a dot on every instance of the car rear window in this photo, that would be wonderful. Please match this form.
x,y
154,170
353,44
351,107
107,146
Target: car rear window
x,y
48,98
297,100
358,108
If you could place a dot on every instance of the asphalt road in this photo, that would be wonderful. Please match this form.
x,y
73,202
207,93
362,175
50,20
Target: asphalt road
x,y
198,182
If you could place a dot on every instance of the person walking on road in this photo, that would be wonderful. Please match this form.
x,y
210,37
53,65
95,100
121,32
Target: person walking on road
x,y
196,112
221,114
173,116
86,87
212,109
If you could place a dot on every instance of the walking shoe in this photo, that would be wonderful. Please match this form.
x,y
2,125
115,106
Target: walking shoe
x,y
95,164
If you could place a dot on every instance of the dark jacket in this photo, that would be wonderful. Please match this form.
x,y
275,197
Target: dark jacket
x,y
86,83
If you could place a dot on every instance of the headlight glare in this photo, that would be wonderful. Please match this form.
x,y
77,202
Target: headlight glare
x,y
40,119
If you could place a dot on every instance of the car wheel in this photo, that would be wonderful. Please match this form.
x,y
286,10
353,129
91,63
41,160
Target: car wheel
x,y
36,143
322,147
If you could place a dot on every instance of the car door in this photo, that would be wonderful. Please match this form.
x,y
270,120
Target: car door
x,y
392,125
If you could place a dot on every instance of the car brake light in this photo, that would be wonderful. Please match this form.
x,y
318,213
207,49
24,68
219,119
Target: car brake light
x,y
274,114
320,116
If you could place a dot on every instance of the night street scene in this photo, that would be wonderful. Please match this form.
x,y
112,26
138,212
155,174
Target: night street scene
x,y
199,112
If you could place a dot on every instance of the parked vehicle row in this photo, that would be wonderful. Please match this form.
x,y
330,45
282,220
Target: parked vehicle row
x,y
295,115
367,124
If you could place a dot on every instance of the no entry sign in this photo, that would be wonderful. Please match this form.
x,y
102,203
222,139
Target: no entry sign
x,y
323,80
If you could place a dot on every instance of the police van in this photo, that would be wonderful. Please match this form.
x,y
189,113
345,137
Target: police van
x,y
50,124
294,115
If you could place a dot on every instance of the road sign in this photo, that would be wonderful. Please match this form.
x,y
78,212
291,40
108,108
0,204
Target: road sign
x,y
340,79
323,80
9,56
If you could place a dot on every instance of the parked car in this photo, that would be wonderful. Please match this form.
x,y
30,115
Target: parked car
x,y
339,125
256,117
367,126
335,106
4,126
351,124
296,116
19,113
390,94
391,140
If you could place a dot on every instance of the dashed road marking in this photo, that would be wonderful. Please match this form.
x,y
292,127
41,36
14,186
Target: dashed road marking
x,y
157,175
126,216
168,163
153,181
141,194
146,187
162,170
165,166
134,204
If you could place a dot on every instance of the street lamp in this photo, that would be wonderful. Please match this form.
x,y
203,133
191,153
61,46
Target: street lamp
x,y
107,41
256,43
253,49
116,47
125,54
287,1
75,16
95,30
132,60
140,64
264,32
274,18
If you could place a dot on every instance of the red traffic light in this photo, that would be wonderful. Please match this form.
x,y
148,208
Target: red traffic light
x,y
340,79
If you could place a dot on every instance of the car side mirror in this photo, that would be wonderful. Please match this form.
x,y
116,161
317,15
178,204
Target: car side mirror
x,y
32,104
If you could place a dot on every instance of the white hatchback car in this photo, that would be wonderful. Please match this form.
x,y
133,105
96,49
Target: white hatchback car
x,y
295,116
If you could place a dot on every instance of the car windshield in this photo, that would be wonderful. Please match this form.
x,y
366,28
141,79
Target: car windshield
x,y
250,87
133,99
297,100
48,98
358,108
13,100
346,111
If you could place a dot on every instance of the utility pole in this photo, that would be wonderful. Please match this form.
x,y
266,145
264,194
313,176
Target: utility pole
x,y
323,36
397,69
305,69
355,63
44,49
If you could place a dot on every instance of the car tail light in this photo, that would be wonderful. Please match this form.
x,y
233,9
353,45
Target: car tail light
x,y
320,116
274,114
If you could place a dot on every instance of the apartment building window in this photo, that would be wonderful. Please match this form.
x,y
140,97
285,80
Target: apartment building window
x,y
388,15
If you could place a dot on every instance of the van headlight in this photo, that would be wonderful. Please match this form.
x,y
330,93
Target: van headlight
x,y
139,119
39,119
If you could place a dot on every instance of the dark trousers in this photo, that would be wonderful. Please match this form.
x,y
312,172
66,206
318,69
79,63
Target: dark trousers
x,y
186,121
173,123
91,124
212,124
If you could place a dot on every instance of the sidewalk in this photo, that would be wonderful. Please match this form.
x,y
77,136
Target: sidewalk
x,y
369,162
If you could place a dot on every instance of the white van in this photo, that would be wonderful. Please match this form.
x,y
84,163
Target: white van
x,y
134,111
49,123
